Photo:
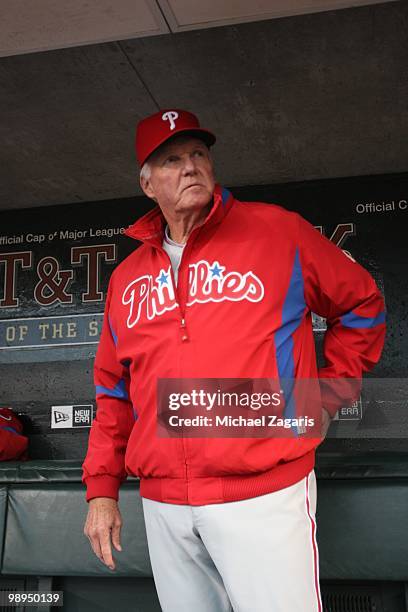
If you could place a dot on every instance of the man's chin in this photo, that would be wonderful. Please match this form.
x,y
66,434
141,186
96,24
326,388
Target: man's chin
x,y
196,198
197,189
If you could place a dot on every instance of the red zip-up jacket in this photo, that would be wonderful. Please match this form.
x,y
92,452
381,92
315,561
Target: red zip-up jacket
x,y
249,278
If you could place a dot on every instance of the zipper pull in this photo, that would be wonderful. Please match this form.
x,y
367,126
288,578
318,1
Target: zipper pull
x,y
183,328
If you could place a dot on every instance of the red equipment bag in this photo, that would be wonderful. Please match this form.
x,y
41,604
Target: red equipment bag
x,y
13,445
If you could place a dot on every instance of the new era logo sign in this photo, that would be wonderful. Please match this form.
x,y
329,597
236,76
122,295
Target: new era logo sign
x,y
65,417
81,416
60,416
351,413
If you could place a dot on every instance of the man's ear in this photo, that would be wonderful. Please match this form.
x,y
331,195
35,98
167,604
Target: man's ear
x,y
147,188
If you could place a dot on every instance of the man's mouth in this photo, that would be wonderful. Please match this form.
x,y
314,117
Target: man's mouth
x,y
195,185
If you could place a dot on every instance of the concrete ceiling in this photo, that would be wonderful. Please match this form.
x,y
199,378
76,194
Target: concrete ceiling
x,y
27,26
303,97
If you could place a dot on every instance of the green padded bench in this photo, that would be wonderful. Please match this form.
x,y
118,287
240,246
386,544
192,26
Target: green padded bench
x,y
45,519
42,515
362,514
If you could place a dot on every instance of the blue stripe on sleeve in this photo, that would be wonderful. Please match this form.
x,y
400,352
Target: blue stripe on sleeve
x,y
118,391
351,319
114,336
292,314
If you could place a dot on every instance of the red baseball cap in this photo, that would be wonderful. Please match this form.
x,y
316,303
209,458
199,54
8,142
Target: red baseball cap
x,y
9,420
154,130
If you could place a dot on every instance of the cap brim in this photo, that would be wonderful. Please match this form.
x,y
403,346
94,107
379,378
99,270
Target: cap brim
x,y
204,135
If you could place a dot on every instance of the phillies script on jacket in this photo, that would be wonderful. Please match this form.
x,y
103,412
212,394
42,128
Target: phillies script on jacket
x,y
249,278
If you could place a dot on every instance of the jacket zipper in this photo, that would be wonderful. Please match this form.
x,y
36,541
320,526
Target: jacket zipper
x,y
183,327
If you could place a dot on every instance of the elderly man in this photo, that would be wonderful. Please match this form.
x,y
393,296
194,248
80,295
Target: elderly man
x,y
219,289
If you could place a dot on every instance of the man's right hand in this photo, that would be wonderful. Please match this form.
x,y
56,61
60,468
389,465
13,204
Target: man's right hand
x,y
102,528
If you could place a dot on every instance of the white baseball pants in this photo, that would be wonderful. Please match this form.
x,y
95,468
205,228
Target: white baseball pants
x,y
255,555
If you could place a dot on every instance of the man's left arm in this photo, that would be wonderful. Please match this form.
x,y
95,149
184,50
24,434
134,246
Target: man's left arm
x,y
341,290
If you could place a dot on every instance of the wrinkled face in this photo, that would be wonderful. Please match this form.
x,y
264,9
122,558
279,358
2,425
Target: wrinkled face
x,y
182,176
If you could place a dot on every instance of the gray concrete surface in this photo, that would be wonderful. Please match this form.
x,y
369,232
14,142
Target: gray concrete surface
x,y
313,96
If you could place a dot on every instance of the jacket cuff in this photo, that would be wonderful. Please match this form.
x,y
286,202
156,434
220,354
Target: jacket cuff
x,y
102,485
338,392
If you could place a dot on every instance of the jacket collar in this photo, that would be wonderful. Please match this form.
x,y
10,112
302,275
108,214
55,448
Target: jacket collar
x,y
150,227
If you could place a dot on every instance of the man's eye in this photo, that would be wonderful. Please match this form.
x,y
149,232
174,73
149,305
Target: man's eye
x,y
199,153
172,158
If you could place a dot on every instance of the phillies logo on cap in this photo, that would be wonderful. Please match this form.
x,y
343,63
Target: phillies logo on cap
x,y
170,116
155,130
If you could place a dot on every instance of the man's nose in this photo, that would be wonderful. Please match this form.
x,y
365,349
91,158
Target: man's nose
x,y
189,166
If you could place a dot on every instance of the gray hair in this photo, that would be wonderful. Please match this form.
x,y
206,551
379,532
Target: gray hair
x,y
146,171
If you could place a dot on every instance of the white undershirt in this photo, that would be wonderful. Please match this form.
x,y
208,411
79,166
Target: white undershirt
x,y
174,251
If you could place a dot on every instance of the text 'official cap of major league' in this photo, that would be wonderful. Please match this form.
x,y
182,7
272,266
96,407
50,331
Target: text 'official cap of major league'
x,y
154,130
